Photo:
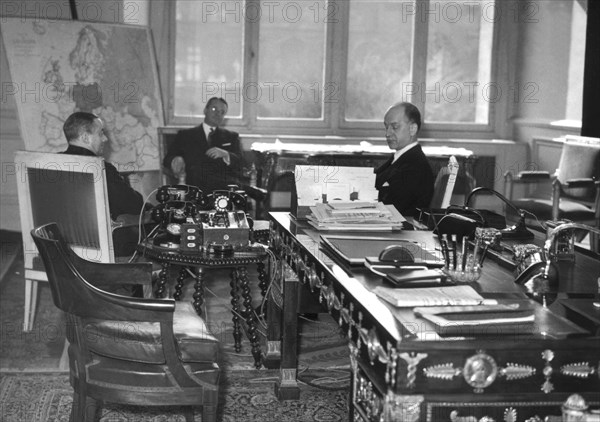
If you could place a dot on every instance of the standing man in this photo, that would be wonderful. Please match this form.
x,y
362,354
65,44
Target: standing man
x,y
406,179
207,156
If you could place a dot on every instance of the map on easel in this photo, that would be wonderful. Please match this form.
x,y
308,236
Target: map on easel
x,y
58,67
328,184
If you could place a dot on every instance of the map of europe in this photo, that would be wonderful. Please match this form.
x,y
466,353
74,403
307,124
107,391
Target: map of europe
x,y
59,67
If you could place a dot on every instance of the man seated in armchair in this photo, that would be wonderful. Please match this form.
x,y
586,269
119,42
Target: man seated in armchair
x,y
87,135
207,156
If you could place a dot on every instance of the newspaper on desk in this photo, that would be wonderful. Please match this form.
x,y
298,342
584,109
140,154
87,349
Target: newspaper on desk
x,y
342,215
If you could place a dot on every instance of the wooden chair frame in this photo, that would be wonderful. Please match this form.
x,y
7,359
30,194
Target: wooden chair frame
x,y
30,179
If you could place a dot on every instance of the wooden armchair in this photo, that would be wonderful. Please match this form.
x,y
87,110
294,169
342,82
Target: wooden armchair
x,y
572,192
147,352
71,191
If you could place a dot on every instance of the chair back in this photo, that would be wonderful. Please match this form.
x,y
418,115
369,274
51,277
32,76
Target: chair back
x,y
580,158
444,185
69,190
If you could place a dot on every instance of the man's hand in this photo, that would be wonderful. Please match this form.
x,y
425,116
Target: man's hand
x,y
178,166
216,153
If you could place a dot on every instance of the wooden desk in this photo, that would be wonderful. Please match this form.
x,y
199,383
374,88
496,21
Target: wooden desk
x,y
404,371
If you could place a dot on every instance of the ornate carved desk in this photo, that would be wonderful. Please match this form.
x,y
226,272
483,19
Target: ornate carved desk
x,y
196,264
403,370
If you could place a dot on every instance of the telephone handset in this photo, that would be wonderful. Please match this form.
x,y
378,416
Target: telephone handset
x,y
178,193
224,200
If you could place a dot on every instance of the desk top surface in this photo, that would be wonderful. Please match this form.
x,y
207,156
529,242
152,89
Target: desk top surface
x,y
496,282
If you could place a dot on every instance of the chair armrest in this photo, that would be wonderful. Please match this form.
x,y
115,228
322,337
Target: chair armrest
x,y
581,183
524,177
129,220
133,309
256,193
101,274
532,176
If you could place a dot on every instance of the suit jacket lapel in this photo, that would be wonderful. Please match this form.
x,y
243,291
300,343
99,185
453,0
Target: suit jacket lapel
x,y
384,166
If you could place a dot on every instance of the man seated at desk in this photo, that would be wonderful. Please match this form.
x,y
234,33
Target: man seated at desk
x,y
406,179
86,135
207,156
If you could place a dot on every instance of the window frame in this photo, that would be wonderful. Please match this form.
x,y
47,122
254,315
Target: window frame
x,y
336,47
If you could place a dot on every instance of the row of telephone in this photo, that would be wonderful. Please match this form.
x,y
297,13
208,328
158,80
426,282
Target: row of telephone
x,y
190,221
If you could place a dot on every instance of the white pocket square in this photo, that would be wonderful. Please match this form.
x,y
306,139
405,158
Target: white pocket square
x,y
226,145
385,185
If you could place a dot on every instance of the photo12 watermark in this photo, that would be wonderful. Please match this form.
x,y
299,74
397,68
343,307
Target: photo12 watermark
x,y
110,11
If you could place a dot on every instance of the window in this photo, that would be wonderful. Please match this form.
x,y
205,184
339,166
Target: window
x,y
204,42
576,64
291,61
334,66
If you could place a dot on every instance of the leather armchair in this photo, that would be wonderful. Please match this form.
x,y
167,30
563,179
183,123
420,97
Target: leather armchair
x,y
127,350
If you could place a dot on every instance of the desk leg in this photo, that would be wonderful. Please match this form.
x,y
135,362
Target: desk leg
x,y
162,281
249,314
235,311
199,291
272,358
179,285
286,387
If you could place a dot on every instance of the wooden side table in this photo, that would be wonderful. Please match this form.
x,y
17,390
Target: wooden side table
x,y
196,264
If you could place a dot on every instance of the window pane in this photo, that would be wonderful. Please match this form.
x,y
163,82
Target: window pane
x,y
379,56
209,57
459,85
576,63
291,60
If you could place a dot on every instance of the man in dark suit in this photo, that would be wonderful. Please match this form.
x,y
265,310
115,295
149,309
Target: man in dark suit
x,y
87,135
207,156
406,179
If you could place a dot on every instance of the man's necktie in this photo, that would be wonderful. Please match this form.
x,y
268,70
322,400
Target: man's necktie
x,y
210,136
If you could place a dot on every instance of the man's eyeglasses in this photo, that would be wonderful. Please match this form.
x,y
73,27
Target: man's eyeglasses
x,y
215,109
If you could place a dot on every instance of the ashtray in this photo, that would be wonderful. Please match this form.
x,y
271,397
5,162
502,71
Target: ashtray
x,y
471,271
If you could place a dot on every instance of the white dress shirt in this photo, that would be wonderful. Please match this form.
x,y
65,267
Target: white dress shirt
x,y
398,153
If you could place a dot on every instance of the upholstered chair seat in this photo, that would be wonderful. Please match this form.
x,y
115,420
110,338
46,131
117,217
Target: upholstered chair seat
x,y
141,341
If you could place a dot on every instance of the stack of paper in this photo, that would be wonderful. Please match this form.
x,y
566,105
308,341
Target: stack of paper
x,y
463,295
355,215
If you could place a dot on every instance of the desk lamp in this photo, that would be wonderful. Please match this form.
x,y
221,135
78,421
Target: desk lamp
x,y
518,231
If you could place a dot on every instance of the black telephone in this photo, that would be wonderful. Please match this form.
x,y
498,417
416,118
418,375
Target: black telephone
x,y
189,220
224,200
177,204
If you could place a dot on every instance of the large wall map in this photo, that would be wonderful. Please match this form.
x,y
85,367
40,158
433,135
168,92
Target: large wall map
x,y
58,67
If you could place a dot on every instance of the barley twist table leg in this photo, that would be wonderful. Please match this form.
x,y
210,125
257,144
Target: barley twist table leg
x,y
235,310
199,291
249,315
179,285
162,281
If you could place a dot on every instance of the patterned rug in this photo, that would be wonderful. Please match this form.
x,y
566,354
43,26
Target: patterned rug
x,y
244,396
